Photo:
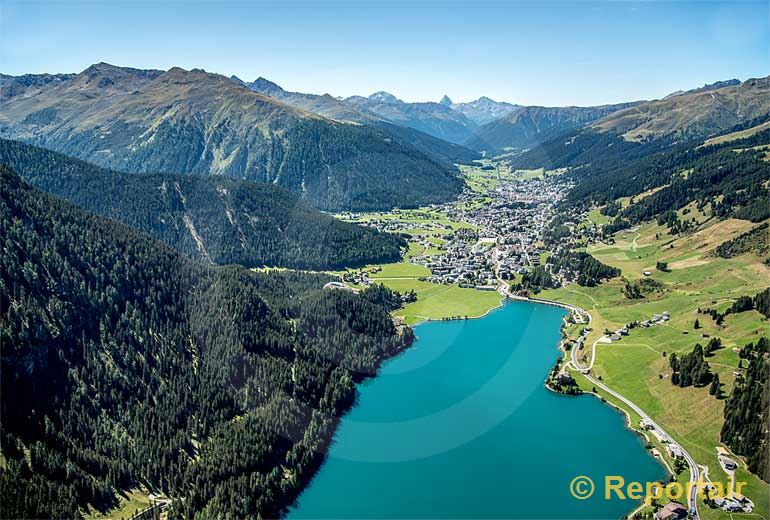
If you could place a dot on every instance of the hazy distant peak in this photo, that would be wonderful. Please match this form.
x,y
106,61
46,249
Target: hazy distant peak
x,y
707,87
101,67
237,80
105,69
488,101
484,109
674,94
176,70
446,101
384,97
265,86
720,84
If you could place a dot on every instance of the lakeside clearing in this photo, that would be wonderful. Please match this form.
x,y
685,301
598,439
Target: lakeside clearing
x,y
426,227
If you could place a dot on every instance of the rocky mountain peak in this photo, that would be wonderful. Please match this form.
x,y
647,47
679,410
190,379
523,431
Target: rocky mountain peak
x,y
384,97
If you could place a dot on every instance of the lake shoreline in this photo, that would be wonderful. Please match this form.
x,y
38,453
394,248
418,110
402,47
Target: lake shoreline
x,y
502,356
565,357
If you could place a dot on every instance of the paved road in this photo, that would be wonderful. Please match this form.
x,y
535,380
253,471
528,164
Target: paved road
x,y
692,499
593,355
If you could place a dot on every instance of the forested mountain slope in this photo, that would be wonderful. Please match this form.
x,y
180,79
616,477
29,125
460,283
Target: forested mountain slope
x,y
195,122
129,364
732,177
525,127
215,219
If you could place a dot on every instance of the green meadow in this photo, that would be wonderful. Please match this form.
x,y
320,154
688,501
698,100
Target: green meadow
x,y
637,366
434,301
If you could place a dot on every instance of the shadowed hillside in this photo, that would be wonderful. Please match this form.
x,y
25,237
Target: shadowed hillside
x,y
215,386
214,219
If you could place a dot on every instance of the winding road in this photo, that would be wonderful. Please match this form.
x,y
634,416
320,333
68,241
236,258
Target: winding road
x,y
695,473
692,499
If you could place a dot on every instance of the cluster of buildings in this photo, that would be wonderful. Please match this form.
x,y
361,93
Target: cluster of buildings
x,y
508,237
465,260
361,276
673,449
731,500
655,320
734,502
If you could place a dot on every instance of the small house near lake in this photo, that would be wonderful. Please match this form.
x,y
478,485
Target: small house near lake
x,y
671,511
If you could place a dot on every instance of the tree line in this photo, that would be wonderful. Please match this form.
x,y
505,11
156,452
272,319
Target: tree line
x,y
746,429
130,365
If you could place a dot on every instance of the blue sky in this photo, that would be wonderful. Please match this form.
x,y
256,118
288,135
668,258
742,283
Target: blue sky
x,y
535,53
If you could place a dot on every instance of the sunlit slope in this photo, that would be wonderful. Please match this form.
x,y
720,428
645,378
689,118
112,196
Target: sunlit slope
x,y
181,121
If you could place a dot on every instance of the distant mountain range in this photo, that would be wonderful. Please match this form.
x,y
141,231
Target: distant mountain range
x,y
652,126
483,110
525,127
436,119
324,105
201,123
452,122
356,153
704,88
214,219
341,110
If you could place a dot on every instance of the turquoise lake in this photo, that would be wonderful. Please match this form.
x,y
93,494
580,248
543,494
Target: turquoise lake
x,y
460,425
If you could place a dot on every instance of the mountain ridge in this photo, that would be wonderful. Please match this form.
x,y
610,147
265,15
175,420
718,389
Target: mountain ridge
x,y
195,122
524,127
338,109
484,109
436,119
696,113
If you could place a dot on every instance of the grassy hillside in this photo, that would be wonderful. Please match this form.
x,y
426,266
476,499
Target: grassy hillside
x,y
692,114
648,128
637,367
738,134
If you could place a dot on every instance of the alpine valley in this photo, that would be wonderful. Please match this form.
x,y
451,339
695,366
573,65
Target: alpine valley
x,y
200,275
